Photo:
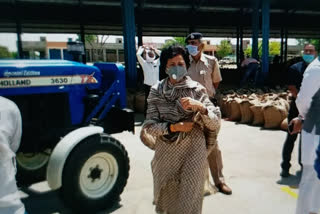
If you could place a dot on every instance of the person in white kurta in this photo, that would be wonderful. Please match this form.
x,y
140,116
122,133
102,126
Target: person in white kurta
x,y
10,136
150,66
309,188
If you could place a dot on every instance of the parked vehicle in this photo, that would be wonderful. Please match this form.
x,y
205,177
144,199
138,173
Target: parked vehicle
x,y
68,111
231,59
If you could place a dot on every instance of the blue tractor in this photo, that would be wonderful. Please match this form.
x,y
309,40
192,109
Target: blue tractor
x,y
68,111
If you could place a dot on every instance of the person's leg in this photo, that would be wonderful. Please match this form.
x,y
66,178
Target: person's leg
x,y
192,178
247,74
299,173
299,152
146,94
286,154
317,162
257,74
304,188
315,192
209,189
309,192
9,195
215,164
289,142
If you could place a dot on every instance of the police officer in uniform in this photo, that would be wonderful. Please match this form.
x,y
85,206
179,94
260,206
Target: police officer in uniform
x,y
205,70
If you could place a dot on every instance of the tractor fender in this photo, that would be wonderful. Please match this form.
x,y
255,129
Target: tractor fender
x,y
62,150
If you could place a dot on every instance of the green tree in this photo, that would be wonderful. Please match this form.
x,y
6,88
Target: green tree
x,y
14,54
174,41
88,38
224,49
180,40
274,49
4,52
248,51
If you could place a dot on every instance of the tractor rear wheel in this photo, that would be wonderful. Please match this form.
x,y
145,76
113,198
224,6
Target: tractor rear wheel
x,y
31,167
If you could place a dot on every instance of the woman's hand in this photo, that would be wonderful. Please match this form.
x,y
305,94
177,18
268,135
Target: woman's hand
x,y
194,105
181,127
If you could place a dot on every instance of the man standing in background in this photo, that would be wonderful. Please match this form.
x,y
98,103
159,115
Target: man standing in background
x,y
150,66
10,136
205,70
295,76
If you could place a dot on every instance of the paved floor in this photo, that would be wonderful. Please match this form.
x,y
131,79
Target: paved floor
x,y
251,166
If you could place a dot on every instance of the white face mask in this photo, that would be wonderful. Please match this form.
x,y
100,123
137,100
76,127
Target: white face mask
x,y
193,50
150,59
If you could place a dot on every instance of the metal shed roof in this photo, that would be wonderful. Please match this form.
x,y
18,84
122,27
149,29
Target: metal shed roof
x,y
214,18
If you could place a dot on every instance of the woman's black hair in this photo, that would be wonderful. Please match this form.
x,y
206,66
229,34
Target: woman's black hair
x,y
169,53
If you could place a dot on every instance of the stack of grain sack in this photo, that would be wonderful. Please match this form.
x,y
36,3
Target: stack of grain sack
x,y
267,107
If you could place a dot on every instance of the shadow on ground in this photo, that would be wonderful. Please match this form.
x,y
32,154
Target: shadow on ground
x,y
49,202
260,127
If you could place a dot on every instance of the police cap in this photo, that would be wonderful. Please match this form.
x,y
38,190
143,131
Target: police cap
x,y
192,36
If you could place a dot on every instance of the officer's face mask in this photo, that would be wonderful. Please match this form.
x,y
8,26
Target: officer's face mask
x,y
177,72
308,58
193,50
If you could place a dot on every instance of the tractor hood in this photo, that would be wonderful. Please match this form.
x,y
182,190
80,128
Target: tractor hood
x,y
18,74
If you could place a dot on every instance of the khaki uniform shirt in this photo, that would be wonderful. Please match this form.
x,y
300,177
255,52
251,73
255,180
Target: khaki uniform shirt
x,y
206,71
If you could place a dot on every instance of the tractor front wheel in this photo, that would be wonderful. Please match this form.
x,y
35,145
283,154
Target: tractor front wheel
x,y
95,174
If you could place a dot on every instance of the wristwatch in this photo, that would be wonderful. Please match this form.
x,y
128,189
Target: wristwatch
x,y
301,118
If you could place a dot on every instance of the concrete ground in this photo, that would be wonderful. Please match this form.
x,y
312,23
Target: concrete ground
x,y
251,158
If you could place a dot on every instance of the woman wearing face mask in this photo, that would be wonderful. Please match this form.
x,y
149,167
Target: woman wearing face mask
x,y
179,118
150,66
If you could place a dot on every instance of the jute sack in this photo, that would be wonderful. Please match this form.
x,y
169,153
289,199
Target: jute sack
x,y
284,95
139,103
223,106
259,91
256,110
234,108
228,106
233,95
246,113
274,113
285,103
271,96
253,97
284,124
264,98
